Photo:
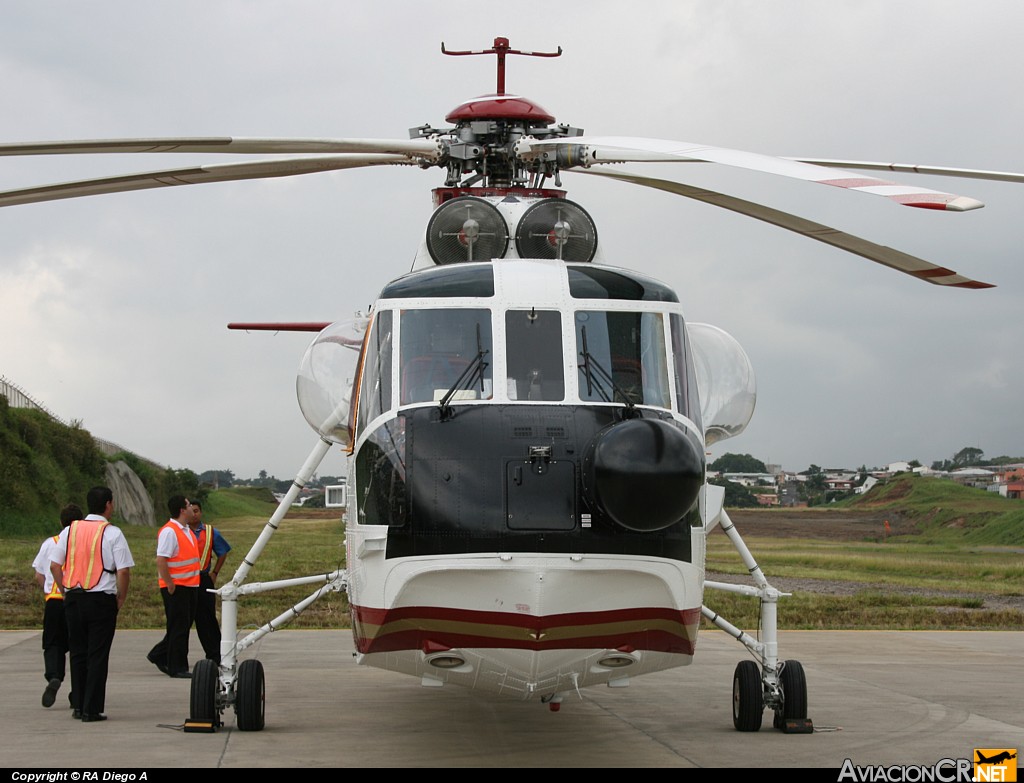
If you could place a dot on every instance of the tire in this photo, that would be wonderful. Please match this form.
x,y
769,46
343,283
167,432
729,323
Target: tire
x,y
794,691
747,697
250,697
203,696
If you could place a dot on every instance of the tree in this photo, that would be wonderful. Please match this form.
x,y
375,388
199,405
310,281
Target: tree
x,y
815,478
968,455
738,463
736,495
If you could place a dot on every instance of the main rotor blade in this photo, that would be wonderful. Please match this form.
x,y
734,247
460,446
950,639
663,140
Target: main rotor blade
x,y
628,149
914,168
886,256
196,175
426,148
282,326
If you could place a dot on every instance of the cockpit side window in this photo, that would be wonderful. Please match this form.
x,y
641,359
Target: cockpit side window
x,y
687,401
622,357
534,348
440,347
375,386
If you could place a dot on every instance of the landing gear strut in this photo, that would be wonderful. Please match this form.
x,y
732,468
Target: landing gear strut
x,y
778,685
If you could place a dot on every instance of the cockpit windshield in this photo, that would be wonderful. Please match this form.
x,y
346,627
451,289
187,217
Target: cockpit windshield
x,y
437,349
533,340
621,357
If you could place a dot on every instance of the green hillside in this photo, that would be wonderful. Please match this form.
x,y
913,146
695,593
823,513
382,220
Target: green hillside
x,y
944,511
43,466
239,502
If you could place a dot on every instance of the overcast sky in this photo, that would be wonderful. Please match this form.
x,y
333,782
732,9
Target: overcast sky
x,y
113,308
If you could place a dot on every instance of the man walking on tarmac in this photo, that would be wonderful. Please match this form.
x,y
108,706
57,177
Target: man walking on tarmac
x,y
211,544
92,563
177,564
55,624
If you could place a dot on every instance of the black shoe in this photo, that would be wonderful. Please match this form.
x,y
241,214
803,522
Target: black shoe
x,y
50,694
185,675
93,718
161,666
76,714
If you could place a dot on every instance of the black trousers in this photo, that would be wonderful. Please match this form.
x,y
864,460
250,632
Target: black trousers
x,y
180,610
92,620
206,618
55,640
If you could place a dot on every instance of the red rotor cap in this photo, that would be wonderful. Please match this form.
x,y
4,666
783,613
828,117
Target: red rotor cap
x,y
501,107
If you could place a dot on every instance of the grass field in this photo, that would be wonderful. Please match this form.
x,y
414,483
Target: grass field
x,y
899,584
307,543
937,580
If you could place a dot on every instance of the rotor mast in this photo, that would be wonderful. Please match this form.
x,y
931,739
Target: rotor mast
x,y
501,49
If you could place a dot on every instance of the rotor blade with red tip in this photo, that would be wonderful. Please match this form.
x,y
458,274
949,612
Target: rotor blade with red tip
x,y
886,256
196,175
628,149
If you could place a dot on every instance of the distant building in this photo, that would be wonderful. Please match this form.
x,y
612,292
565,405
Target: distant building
x,y
869,482
973,477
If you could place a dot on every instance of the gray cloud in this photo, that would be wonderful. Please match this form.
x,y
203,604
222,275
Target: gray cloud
x,y
113,308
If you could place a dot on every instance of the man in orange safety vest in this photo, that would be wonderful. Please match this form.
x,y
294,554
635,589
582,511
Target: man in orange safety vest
x,y
177,564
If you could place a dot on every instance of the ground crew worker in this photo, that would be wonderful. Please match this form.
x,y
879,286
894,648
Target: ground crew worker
x,y
211,543
92,564
55,624
177,564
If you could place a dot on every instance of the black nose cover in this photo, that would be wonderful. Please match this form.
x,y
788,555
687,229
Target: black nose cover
x,y
643,474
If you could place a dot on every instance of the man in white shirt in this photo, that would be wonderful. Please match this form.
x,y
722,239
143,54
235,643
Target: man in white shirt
x,y
95,589
177,563
55,624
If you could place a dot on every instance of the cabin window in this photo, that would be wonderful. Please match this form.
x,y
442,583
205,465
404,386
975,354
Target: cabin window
x,y
445,350
687,400
375,387
622,357
533,340
380,476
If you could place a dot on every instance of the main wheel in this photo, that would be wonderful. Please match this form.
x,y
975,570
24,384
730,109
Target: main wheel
x,y
250,696
794,692
203,696
747,697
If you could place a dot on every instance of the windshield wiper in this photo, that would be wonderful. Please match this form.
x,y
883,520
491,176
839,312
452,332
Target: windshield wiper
x,y
473,372
591,367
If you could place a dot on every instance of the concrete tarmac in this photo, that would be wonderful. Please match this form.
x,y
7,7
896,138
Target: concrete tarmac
x,y
875,698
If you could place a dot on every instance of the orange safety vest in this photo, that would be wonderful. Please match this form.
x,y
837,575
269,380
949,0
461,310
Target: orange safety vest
x,y
184,566
205,537
55,594
83,565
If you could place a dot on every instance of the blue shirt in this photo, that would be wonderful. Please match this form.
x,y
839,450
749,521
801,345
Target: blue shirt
x,y
220,546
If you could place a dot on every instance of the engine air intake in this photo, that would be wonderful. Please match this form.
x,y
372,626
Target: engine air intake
x,y
466,228
557,228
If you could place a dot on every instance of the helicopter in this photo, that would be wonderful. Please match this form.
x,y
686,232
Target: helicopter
x,y
526,422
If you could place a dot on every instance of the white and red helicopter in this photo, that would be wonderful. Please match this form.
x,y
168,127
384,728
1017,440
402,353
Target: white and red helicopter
x,y
525,422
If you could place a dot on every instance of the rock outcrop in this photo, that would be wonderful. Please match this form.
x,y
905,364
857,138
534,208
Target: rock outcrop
x,y
131,501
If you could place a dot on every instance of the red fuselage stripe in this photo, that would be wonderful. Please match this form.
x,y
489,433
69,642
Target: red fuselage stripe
x,y
435,628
